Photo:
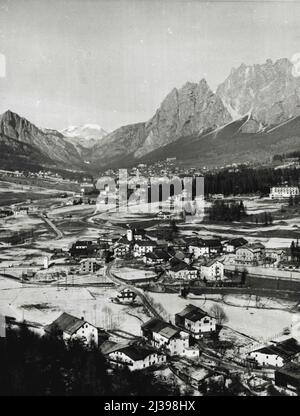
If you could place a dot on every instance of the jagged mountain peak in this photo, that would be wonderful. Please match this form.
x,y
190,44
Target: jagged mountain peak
x,y
50,144
269,90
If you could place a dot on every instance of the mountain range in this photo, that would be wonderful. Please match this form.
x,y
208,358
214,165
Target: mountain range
x,y
252,115
84,136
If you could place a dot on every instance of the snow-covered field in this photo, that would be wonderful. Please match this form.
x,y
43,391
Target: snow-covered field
x,y
45,303
128,273
258,323
258,205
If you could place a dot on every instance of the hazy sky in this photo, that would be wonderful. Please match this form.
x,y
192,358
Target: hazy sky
x,y
66,62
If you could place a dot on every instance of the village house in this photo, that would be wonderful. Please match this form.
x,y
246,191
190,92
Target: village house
x,y
230,246
87,188
277,353
21,211
90,265
74,328
179,243
198,248
134,234
156,257
163,215
250,254
121,250
141,247
182,270
212,270
196,321
122,247
126,295
167,337
139,234
180,256
275,255
86,248
132,356
214,245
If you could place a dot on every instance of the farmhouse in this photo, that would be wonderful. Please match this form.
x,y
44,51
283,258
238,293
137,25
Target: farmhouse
x,y
126,296
213,270
182,270
156,257
133,356
232,245
277,354
167,337
72,327
196,321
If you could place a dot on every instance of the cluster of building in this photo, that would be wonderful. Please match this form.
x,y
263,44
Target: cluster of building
x,y
284,358
163,339
160,339
179,258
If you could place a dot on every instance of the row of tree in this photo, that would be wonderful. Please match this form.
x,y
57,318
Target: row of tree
x,y
295,251
248,180
226,211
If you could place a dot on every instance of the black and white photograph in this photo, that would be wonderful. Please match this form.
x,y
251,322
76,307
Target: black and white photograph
x,y
150,200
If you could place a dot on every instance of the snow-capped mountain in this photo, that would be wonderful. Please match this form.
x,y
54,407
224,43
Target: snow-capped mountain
x,y
86,135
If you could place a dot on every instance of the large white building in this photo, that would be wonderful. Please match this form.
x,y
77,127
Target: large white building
x,y
278,192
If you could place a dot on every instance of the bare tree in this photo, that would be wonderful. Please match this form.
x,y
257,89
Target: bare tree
x,y
217,312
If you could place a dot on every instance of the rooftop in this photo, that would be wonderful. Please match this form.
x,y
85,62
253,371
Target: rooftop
x,y
160,327
285,349
66,323
192,313
137,352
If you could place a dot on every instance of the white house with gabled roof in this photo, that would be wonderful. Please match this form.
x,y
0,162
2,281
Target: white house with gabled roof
x,y
72,328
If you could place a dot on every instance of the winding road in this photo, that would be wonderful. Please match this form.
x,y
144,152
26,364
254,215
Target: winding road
x,y
137,291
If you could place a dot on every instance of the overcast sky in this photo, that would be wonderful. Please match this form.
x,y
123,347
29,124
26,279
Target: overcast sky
x,y
69,62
